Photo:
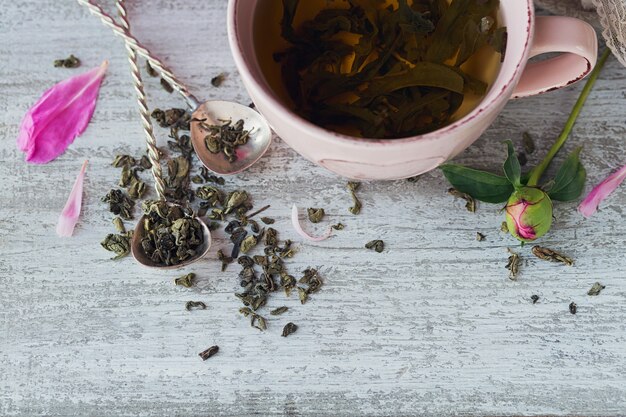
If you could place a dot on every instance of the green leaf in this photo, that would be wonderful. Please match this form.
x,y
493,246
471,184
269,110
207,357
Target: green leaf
x,y
512,168
481,185
570,179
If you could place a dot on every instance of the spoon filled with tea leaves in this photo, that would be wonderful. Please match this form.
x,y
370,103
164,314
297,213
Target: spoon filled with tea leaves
x,y
168,235
228,137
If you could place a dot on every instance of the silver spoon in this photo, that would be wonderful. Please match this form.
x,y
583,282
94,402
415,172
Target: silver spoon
x,y
213,111
153,154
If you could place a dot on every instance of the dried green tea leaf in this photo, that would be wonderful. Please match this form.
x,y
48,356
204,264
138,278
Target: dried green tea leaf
x,y
315,214
377,245
596,289
573,307
218,79
289,328
470,204
185,280
480,237
225,260
166,85
224,138
267,220
413,180
278,311
206,354
119,204
248,244
551,255
70,62
534,298
338,226
504,227
352,188
118,244
513,265
303,295
198,305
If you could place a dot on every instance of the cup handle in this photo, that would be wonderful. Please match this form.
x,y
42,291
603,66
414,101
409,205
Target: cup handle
x,y
578,44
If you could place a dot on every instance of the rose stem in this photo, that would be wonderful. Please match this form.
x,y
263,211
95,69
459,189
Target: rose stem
x,y
537,172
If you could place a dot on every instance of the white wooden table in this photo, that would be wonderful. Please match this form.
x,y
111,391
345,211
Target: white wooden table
x,y
432,326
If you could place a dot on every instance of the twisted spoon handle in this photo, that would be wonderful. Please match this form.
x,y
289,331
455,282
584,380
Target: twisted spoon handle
x,y
168,75
153,151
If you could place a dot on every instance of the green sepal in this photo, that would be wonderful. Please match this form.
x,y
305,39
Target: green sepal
x,y
512,168
481,185
570,179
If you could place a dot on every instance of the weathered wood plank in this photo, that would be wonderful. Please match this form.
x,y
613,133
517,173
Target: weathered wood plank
x,y
432,326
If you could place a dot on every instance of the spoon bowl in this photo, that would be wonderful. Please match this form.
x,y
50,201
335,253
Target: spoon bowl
x,y
141,257
215,112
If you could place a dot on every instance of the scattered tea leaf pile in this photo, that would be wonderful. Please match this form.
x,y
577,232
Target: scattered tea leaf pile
x,y
390,72
172,235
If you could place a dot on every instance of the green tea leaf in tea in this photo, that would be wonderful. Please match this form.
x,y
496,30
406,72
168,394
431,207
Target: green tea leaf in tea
x,y
550,255
315,214
289,328
386,71
70,62
470,204
481,185
185,280
377,245
195,305
356,203
118,244
596,289
570,179
206,354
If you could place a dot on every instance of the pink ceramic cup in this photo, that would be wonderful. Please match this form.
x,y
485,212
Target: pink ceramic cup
x,y
377,159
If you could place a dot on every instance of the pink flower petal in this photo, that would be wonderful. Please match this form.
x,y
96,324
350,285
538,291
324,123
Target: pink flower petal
x,y
296,225
71,212
601,191
59,116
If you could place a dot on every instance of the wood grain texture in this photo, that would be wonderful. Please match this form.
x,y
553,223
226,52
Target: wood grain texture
x,y
432,326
